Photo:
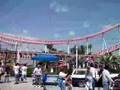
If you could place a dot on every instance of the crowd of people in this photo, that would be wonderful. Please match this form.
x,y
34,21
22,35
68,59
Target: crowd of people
x,y
4,72
18,70
98,76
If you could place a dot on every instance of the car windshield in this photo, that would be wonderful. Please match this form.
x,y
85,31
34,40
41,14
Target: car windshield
x,y
79,72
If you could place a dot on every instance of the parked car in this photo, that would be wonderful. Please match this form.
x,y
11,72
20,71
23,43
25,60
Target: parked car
x,y
78,77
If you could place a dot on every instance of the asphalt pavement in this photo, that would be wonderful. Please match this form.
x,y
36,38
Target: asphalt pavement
x,y
29,86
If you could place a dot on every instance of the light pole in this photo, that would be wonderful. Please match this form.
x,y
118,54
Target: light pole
x,y
76,56
16,53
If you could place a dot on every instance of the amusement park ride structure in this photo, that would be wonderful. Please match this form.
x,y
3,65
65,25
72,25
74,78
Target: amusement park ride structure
x,y
12,39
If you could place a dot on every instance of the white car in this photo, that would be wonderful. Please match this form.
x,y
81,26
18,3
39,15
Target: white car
x,y
78,77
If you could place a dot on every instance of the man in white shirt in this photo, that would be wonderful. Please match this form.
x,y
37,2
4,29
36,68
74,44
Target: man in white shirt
x,y
106,79
16,69
24,72
93,72
38,74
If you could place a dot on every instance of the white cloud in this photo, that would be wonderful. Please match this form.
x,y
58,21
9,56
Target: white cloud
x,y
56,35
86,24
58,8
25,31
53,4
71,33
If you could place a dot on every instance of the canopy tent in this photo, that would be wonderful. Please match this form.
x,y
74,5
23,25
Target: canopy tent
x,y
49,58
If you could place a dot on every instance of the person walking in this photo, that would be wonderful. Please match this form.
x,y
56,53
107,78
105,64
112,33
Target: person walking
x,y
7,73
99,77
38,75
94,73
89,79
106,79
24,72
1,72
16,69
61,79
68,80
44,79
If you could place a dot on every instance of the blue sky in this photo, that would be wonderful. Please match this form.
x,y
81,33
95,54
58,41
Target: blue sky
x,y
57,19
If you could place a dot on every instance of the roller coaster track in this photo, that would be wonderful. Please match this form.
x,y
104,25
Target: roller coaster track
x,y
11,38
107,50
7,38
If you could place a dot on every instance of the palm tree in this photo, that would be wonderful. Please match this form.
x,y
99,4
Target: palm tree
x,y
51,48
82,50
90,48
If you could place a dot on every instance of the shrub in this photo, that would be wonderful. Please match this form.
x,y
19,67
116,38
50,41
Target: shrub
x,y
29,71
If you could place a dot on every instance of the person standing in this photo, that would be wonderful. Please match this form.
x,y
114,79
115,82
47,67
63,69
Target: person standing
x,y
44,79
24,72
89,79
7,73
94,73
1,71
68,79
99,77
61,79
38,75
106,79
16,69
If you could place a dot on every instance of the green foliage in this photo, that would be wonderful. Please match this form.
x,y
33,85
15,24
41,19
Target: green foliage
x,y
112,61
50,46
29,71
81,50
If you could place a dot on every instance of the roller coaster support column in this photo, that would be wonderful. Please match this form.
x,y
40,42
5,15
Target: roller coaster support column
x,y
45,48
119,39
17,53
87,46
104,44
68,49
119,48
18,56
76,56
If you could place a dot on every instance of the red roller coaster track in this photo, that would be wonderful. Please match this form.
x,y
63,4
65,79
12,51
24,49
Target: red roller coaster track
x,y
107,50
7,38
12,38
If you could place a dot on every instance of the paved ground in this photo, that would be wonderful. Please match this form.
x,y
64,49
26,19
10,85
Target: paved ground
x,y
28,86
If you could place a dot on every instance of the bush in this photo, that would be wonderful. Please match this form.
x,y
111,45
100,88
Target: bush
x,y
29,71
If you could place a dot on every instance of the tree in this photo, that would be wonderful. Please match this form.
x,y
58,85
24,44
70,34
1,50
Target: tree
x,y
90,48
81,50
51,48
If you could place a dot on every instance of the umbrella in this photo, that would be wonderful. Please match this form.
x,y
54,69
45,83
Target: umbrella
x,y
49,58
